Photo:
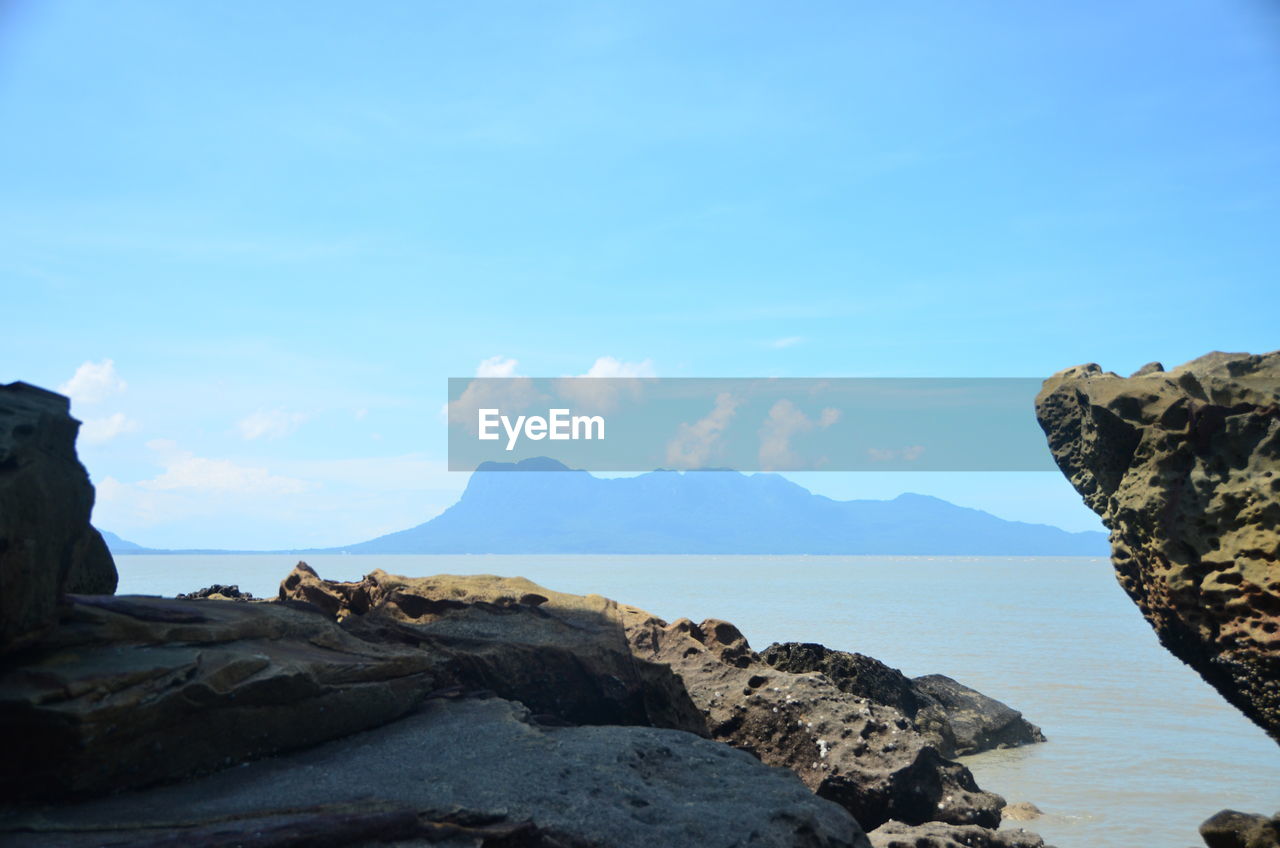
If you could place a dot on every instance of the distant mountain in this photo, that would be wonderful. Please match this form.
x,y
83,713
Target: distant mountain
x,y
539,506
121,546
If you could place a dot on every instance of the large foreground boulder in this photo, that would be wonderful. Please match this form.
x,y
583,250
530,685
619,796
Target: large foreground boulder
x,y
47,547
129,691
468,772
586,659
1184,468
954,718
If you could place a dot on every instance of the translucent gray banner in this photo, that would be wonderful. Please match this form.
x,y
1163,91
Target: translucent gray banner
x,y
781,424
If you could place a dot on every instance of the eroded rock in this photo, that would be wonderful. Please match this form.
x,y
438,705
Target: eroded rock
x,y
865,756
935,835
47,547
564,656
955,719
1184,468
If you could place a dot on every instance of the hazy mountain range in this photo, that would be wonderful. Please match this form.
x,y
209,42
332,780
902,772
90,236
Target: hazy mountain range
x,y
539,506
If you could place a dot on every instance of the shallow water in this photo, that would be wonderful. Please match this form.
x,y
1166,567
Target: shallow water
x,y
1140,750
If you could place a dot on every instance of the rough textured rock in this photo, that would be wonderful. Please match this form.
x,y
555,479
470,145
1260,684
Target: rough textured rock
x,y
1231,829
957,720
1184,468
564,656
218,592
935,835
865,756
128,691
473,763
47,547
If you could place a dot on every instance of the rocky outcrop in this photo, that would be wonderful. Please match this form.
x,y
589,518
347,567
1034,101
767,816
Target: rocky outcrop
x,y
218,592
1232,829
955,719
128,691
1184,468
47,547
933,835
566,657
468,772
863,755
615,665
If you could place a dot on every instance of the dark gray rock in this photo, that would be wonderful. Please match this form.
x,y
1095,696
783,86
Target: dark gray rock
x,y
218,592
477,763
1232,829
128,691
47,547
976,721
957,720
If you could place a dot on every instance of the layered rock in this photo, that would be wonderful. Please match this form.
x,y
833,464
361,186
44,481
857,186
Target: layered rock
x,y
128,691
955,719
566,657
469,772
1184,468
47,547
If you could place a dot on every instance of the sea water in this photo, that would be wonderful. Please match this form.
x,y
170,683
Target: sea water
x,y
1140,750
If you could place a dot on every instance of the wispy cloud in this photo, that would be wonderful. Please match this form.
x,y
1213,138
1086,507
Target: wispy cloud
x,y
694,444
97,431
497,366
786,420
269,424
185,470
93,382
789,341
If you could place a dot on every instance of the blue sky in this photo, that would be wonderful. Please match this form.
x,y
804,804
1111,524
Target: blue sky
x,y
286,224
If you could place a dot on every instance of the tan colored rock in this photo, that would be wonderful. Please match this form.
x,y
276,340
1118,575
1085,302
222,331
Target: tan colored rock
x,y
564,656
1184,468
1021,811
47,547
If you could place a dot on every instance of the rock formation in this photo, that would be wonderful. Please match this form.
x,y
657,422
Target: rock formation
x,y
1232,829
47,547
616,666
469,772
1184,468
955,719
932,835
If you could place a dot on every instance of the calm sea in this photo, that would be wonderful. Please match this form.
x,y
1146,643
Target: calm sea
x,y
1140,750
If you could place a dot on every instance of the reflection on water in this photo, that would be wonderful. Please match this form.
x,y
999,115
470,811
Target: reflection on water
x,y
1140,750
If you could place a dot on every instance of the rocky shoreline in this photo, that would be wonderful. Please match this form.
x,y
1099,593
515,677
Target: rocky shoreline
x,y
442,710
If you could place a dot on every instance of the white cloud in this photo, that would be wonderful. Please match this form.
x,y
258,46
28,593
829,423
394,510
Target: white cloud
x,y
360,414
607,366
184,470
93,382
97,431
693,443
497,366
786,420
789,341
271,424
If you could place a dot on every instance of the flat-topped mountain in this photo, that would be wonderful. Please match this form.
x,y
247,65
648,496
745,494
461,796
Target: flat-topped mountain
x,y
540,506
